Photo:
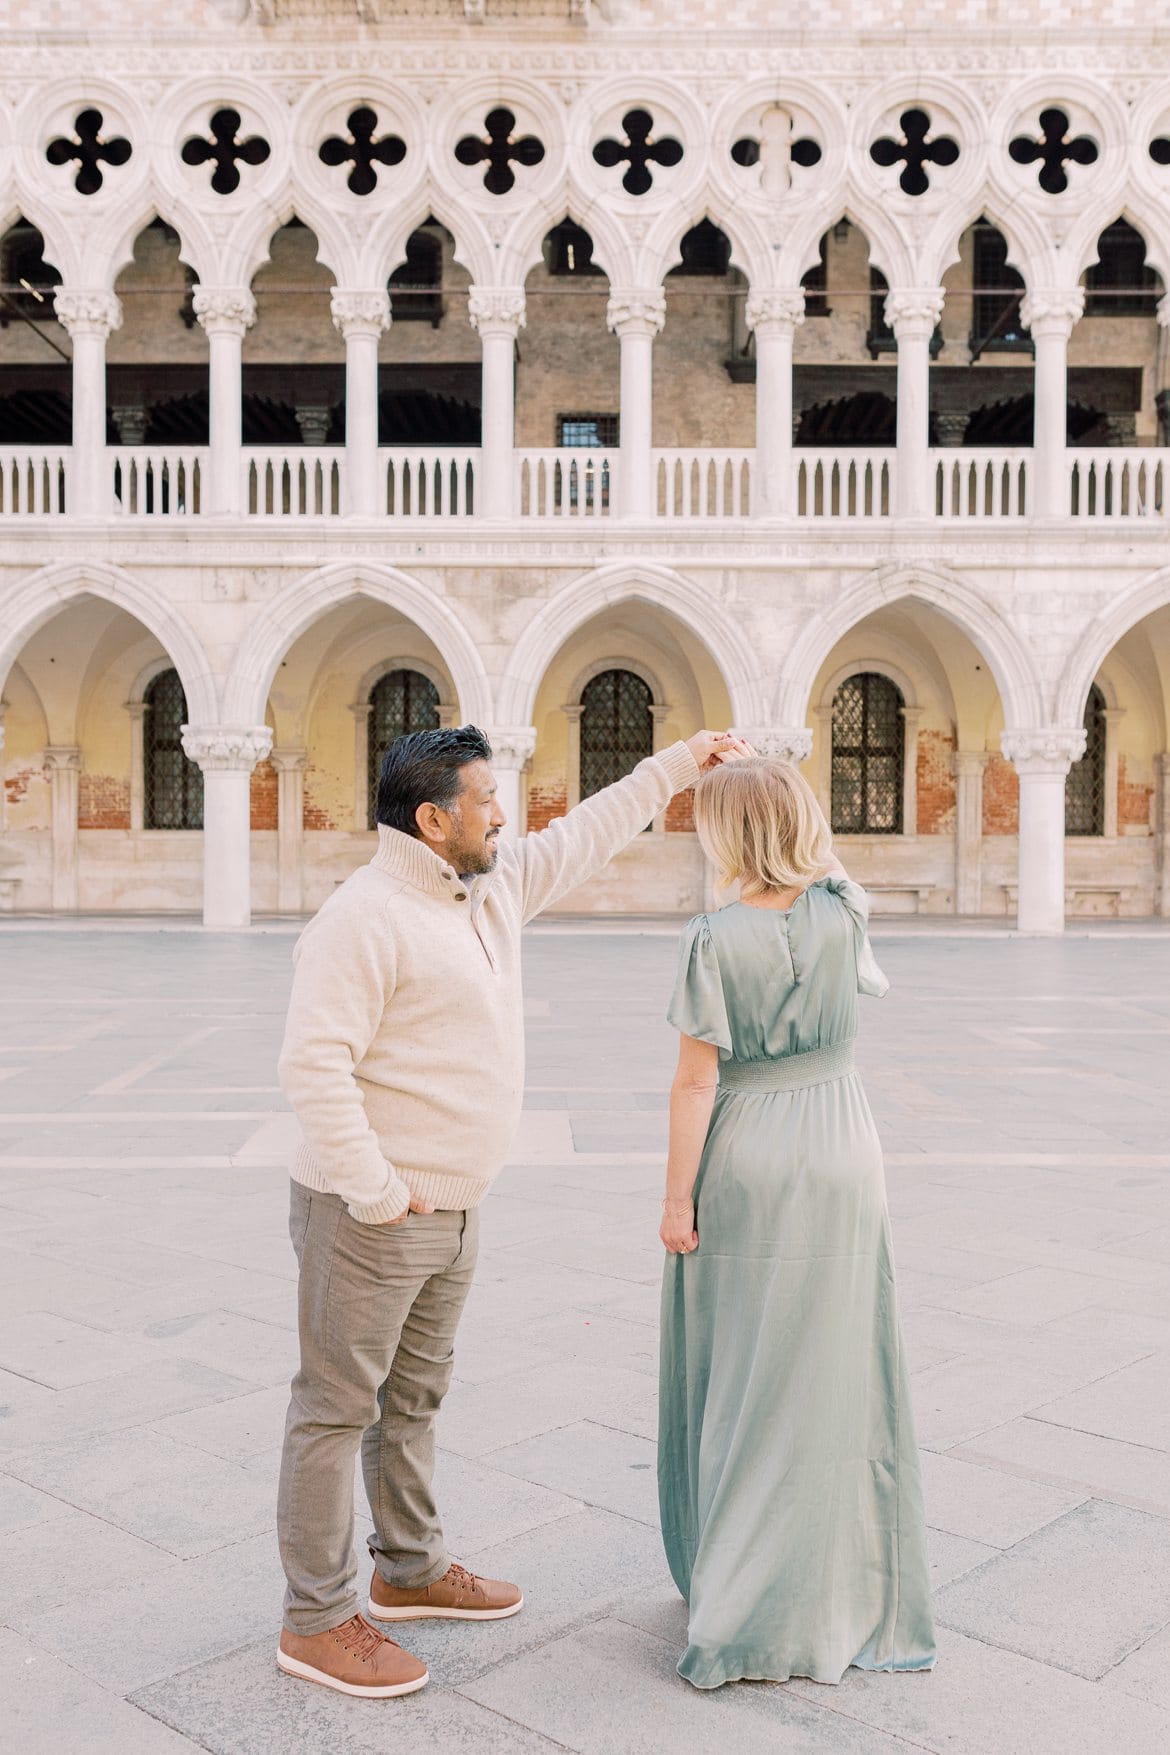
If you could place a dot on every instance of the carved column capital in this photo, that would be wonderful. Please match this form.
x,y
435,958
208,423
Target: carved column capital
x,y
497,310
224,310
1043,749
224,749
776,309
634,312
289,761
512,745
792,743
572,711
87,311
356,312
914,311
1053,310
969,764
63,758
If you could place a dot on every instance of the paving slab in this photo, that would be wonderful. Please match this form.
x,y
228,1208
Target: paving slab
x,y
596,1464
986,1505
45,1561
1146,1671
46,1706
1132,1404
1080,1593
1131,1474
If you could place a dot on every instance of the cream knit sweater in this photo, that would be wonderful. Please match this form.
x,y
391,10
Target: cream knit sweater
x,y
403,1053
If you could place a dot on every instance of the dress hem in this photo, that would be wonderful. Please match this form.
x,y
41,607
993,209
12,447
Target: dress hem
x,y
750,1673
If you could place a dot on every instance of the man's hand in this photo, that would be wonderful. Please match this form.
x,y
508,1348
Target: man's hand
x,y
416,1206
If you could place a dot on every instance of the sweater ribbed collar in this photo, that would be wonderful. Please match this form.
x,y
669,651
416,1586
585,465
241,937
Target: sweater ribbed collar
x,y
408,858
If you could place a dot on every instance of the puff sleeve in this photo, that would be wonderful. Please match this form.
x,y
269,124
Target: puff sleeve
x,y
870,978
697,1006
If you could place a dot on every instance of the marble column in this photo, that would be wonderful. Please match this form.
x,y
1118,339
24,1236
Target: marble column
x,y
1112,717
225,313
572,712
498,314
968,770
910,720
1050,314
290,765
361,318
64,765
913,315
774,317
636,318
89,316
512,747
1042,759
1162,833
227,755
659,714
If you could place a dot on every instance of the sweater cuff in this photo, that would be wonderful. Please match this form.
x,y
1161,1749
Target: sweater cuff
x,y
392,1205
681,767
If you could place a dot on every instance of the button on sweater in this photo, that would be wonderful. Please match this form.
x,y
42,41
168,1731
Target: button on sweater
x,y
403,1055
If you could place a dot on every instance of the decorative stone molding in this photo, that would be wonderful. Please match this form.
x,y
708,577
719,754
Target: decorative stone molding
x,y
1052,310
1043,749
914,311
223,749
496,310
224,310
775,309
512,745
633,312
63,758
792,743
289,761
359,312
87,311
969,764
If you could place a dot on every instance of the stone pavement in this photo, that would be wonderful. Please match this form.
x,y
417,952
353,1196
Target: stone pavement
x,y
146,1340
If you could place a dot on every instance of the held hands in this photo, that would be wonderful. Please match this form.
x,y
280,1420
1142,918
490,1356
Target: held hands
x,y
709,748
677,1229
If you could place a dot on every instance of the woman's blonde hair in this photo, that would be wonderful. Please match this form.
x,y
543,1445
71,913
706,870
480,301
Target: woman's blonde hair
x,y
758,821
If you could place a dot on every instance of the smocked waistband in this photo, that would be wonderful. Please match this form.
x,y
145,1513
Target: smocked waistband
x,y
791,1072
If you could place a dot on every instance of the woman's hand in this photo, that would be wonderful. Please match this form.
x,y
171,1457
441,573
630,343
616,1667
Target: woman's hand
x,y
677,1229
738,749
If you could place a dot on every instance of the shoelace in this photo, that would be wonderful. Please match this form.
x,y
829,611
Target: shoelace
x,y
360,1638
462,1579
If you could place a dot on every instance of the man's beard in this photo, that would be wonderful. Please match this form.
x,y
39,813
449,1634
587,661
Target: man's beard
x,y
474,858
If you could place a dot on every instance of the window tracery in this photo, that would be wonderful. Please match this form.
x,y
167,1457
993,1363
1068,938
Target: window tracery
x,y
868,759
617,728
638,152
400,702
499,151
225,150
172,783
90,151
915,150
362,151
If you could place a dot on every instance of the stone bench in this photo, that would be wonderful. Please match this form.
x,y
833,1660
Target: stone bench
x,y
915,895
1118,893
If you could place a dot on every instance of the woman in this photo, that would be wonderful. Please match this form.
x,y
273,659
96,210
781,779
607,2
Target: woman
x,y
788,1474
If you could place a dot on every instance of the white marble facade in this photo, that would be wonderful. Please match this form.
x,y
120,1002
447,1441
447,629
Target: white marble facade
x,y
741,572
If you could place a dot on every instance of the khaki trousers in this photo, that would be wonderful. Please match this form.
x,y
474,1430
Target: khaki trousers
x,y
378,1306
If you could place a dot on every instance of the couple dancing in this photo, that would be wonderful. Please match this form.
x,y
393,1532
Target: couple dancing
x,y
788,1475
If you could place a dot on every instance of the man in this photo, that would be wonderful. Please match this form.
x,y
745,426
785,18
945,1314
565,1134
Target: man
x,y
403,1059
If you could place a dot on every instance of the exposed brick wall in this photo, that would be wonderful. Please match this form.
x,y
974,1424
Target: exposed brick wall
x,y
1133,799
936,783
1001,797
314,815
545,803
103,802
16,785
680,813
263,796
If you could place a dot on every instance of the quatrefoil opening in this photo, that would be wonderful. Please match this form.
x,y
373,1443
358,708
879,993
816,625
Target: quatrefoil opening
x,y
362,150
1160,150
914,151
1053,151
90,151
500,151
639,152
225,150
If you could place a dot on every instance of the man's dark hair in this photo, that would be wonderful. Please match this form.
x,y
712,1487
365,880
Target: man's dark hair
x,y
424,768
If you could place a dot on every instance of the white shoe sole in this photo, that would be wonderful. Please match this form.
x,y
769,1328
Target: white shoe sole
x,y
377,1613
306,1673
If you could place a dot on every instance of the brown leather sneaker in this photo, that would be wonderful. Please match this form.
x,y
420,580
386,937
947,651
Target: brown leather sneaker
x,y
353,1658
458,1596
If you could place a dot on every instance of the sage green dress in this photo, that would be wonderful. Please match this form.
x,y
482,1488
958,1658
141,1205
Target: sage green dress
x,y
788,1472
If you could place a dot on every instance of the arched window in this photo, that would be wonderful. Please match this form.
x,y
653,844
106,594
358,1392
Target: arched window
x,y
400,701
617,731
1084,792
172,785
869,755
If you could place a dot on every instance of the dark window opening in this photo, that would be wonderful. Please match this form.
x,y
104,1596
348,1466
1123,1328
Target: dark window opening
x,y
996,321
816,284
172,784
1120,283
400,702
617,730
869,740
705,250
24,275
1084,792
569,250
591,431
414,285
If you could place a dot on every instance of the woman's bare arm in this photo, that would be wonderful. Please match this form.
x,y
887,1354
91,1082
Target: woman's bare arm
x,y
692,1098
